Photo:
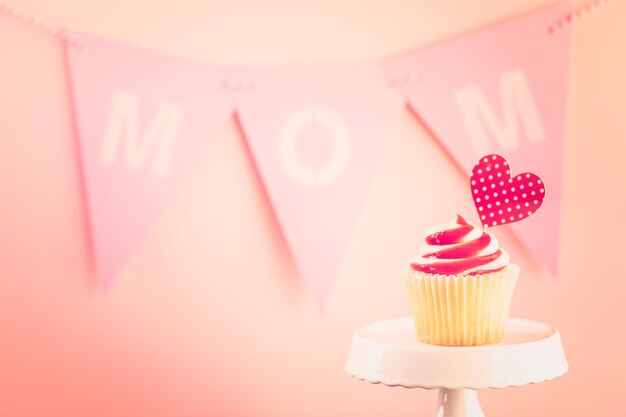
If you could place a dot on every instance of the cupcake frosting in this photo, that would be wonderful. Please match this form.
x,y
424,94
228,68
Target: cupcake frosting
x,y
459,248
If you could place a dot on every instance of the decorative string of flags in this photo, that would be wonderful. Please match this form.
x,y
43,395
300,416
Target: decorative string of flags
x,y
316,133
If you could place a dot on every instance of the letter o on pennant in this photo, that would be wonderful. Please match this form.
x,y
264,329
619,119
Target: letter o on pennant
x,y
341,146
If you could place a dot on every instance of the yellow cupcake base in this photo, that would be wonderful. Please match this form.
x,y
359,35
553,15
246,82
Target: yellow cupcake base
x,y
461,310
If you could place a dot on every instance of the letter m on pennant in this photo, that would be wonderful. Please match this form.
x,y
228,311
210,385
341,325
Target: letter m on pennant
x,y
518,107
122,133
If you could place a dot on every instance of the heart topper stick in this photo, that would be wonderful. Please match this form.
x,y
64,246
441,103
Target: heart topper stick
x,y
500,198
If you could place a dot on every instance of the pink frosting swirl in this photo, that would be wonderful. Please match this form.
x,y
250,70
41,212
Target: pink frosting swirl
x,y
459,248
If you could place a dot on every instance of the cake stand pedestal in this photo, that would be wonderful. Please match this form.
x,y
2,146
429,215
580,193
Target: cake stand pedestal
x,y
388,352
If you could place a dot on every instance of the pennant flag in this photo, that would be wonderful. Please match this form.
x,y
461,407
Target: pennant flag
x,y
316,135
141,117
499,90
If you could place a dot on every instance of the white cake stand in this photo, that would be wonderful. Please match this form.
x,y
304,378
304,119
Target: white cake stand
x,y
388,352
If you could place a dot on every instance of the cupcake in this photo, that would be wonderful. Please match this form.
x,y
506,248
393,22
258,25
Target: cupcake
x,y
460,286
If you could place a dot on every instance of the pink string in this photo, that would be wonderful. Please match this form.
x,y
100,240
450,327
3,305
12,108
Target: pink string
x,y
577,14
57,32
35,22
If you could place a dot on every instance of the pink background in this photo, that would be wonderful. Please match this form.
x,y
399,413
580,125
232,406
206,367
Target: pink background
x,y
206,320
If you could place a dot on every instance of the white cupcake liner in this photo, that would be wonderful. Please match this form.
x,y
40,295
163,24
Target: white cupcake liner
x,y
462,310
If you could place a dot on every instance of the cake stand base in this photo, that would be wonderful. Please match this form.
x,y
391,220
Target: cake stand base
x,y
458,403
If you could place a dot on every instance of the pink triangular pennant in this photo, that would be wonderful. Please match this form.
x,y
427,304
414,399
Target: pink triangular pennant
x,y
316,135
500,90
142,117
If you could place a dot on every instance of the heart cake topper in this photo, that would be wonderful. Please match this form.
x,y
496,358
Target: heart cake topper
x,y
500,198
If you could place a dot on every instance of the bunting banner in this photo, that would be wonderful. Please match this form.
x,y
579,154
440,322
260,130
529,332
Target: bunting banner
x,y
315,133
316,150
142,117
499,90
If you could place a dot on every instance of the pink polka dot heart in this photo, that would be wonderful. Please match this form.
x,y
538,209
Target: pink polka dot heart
x,y
501,198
